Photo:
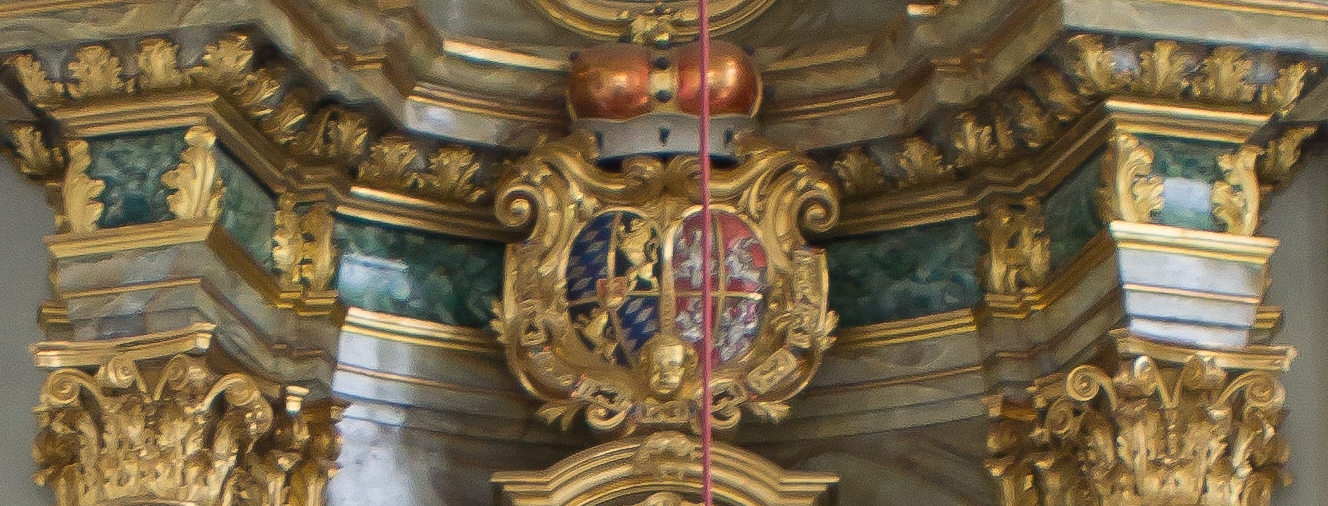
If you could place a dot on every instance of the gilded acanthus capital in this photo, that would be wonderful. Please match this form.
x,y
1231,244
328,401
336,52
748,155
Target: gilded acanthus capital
x,y
1164,425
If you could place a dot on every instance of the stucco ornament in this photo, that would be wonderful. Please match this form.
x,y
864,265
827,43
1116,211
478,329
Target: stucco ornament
x,y
602,313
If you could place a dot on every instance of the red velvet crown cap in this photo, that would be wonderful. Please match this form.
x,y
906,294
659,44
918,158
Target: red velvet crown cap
x,y
622,81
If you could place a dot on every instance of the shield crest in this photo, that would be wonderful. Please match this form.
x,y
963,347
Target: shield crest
x,y
603,302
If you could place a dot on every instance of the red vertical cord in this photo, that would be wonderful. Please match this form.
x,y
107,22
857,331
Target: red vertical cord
x,y
707,240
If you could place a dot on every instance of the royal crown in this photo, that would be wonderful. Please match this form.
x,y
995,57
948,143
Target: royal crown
x,y
644,100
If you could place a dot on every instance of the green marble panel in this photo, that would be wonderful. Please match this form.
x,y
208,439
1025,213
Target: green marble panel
x,y
1071,212
904,273
246,210
418,275
131,166
1189,168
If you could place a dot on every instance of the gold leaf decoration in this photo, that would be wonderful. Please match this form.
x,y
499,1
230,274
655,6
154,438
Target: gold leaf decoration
x,y
921,163
319,250
390,163
288,242
666,499
158,65
36,82
287,117
80,191
972,142
1155,432
1162,71
255,92
1279,95
197,184
95,72
1051,89
334,134
1031,123
1236,196
1223,76
1278,164
226,63
1130,191
193,437
30,155
1019,251
453,170
859,173
1095,66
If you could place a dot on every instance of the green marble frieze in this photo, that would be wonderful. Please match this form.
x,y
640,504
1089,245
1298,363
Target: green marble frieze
x,y
417,275
904,273
246,210
131,166
1188,168
1070,213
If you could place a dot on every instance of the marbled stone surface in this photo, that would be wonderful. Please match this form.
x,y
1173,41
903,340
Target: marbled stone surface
x,y
1189,168
131,166
904,273
418,275
246,210
1070,212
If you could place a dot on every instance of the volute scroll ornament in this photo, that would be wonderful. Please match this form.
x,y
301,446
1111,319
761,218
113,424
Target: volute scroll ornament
x,y
602,313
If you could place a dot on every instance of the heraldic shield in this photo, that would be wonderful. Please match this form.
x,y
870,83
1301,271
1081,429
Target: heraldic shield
x,y
602,306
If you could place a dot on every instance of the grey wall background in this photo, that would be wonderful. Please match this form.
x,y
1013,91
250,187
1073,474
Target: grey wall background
x,y
1298,216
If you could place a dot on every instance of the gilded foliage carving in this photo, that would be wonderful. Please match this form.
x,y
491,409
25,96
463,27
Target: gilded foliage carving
x,y
1130,191
1153,433
972,141
580,340
922,163
304,249
95,72
36,82
1019,251
79,192
197,184
1279,163
858,173
1224,76
158,65
193,436
334,133
1236,196
1172,71
1162,71
396,164
30,154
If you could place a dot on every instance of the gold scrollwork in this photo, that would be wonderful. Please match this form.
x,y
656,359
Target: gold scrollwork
x,y
1236,196
79,192
30,154
304,249
1279,163
194,436
95,72
197,184
36,82
1154,433
859,174
1019,251
1130,191
568,364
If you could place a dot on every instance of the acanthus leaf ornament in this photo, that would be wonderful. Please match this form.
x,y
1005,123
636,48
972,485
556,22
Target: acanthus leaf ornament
x,y
197,184
1019,251
95,72
29,153
36,82
859,173
158,66
80,191
1155,432
1223,76
921,162
1278,165
1130,191
1235,197
601,316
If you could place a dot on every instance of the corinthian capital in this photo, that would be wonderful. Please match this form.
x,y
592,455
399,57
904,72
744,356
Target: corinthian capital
x,y
1165,425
